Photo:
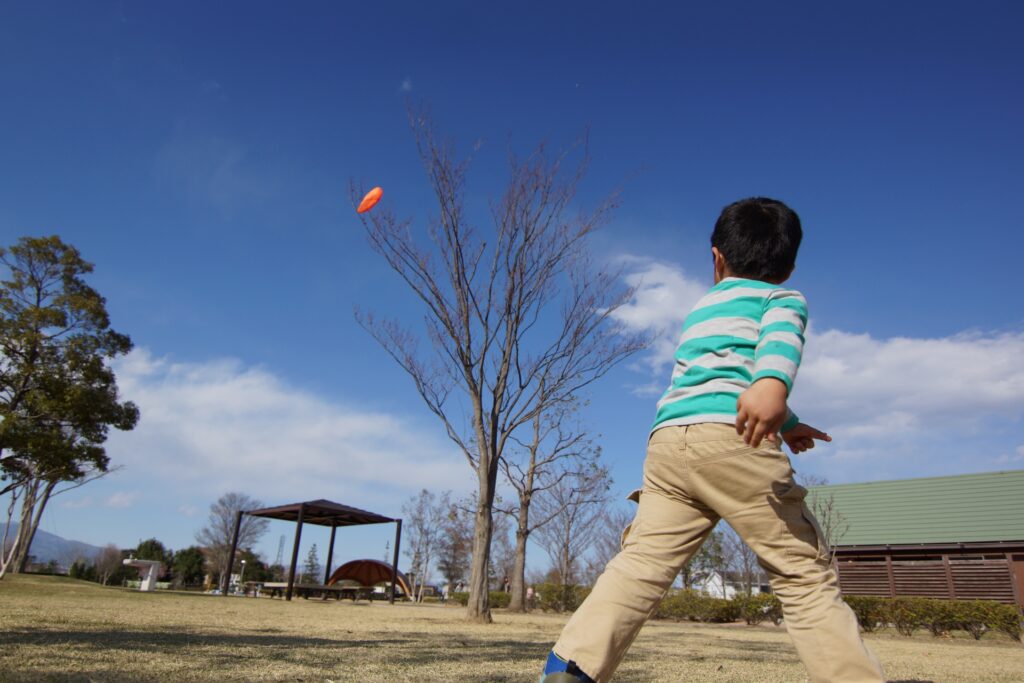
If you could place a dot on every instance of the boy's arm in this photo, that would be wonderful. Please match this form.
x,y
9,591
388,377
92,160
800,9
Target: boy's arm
x,y
761,409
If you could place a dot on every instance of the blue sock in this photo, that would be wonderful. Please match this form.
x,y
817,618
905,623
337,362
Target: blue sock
x,y
556,664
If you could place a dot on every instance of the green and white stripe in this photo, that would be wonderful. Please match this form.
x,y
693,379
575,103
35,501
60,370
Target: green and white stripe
x,y
739,332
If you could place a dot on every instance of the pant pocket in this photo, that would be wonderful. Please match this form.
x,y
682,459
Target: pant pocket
x,y
635,497
808,540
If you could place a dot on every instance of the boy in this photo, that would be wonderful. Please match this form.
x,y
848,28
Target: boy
x,y
714,454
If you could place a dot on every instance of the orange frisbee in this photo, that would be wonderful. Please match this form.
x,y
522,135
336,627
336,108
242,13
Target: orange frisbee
x,y
370,200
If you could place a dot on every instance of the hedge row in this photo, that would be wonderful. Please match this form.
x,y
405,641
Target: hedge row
x,y
552,597
498,598
908,615
689,605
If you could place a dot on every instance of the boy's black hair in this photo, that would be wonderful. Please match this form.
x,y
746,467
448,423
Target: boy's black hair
x,y
759,238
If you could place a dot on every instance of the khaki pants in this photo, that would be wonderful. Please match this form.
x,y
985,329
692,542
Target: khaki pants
x,y
693,477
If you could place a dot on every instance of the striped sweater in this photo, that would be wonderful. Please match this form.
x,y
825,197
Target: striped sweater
x,y
739,332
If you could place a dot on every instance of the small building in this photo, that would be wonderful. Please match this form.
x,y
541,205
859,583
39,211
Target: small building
x,y
729,584
959,537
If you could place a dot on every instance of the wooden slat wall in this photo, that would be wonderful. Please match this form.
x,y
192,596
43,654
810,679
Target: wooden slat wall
x,y
971,579
984,580
921,579
864,578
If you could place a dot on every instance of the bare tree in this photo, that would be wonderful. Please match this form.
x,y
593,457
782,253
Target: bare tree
x,y
503,551
575,505
712,559
741,562
831,521
107,563
424,516
492,309
216,536
454,549
610,527
553,450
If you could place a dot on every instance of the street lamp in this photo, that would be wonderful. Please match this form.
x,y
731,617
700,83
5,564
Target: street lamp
x,y
241,578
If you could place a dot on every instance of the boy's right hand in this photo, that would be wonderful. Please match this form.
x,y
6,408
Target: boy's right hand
x,y
761,410
801,438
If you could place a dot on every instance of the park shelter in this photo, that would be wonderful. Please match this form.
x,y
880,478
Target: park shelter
x,y
369,573
322,513
958,537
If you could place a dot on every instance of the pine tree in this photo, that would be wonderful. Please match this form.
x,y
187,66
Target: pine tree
x,y
311,569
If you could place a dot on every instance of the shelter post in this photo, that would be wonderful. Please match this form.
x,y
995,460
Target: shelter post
x,y
394,566
226,580
295,552
330,556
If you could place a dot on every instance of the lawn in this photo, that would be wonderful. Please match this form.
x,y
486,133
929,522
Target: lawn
x,y
60,629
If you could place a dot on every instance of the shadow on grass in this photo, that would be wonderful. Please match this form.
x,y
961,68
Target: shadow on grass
x,y
224,647
171,641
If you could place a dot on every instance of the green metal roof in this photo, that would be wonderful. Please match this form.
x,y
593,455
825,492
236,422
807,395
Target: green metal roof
x,y
961,509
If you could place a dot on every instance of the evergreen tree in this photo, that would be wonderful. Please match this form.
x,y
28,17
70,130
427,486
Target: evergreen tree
x,y
188,566
58,395
311,568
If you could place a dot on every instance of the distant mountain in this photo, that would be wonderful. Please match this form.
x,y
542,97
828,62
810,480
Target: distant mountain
x,y
47,547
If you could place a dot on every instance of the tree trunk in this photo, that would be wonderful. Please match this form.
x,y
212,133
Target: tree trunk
x,y
7,553
21,563
19,551
479,606
517,601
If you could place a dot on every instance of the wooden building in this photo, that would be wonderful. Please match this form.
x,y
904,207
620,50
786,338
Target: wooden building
x,y
959,537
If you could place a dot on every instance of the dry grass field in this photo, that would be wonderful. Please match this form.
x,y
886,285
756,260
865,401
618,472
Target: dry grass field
x,y
63,630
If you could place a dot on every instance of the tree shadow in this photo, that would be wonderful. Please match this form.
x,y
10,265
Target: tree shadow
x,y
227,647
227,650
163,640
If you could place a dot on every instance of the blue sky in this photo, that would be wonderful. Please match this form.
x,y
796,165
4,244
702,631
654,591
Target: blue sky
x,y
200,156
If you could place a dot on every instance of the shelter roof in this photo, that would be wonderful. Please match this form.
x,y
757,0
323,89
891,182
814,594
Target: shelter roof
x,y
322,512
960,509
368,573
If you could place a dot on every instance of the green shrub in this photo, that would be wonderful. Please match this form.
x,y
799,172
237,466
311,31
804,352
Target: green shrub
x,y
719,610
552,597
693,606
938,616
974,616
1006,619
756,608
908,614
871,611
497,598
681,605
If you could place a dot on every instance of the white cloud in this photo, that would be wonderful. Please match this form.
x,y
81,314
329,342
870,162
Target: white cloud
x,y
188,510
78,504
217,426
406,85
1015,460
866,384
122,499
663,296
876,396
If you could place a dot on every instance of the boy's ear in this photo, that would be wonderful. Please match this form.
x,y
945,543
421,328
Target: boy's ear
x,y
719,262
